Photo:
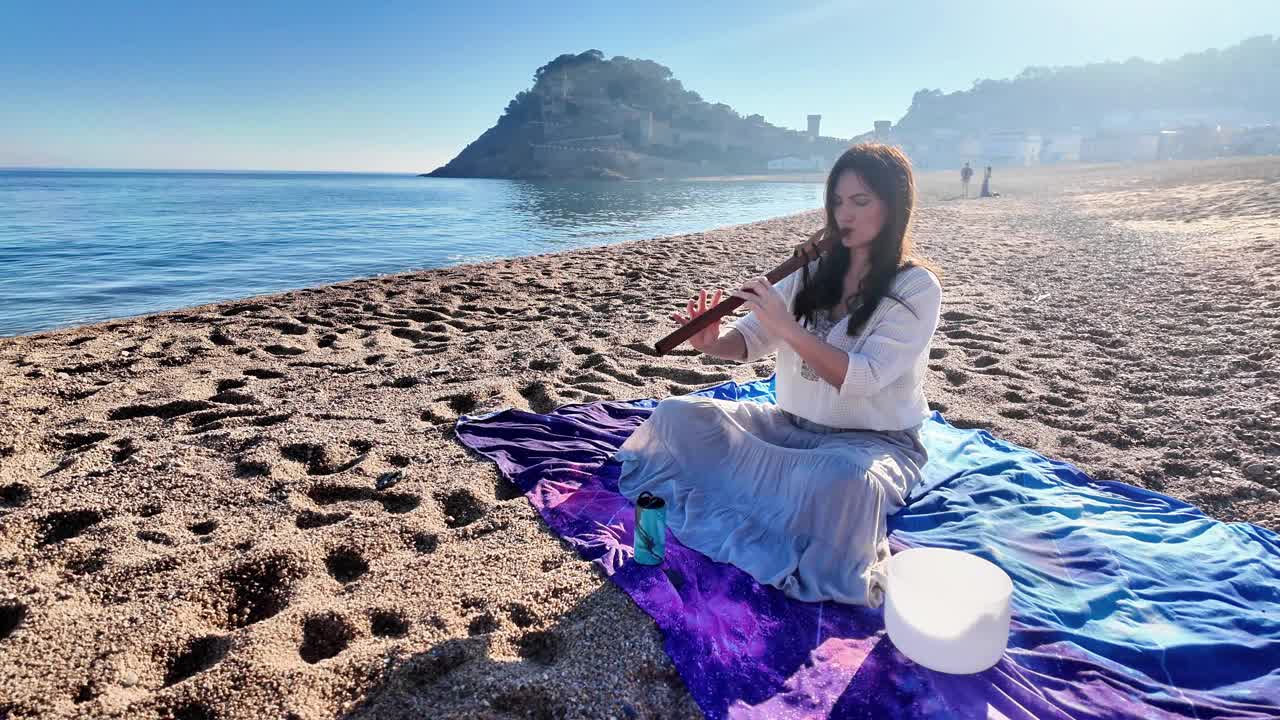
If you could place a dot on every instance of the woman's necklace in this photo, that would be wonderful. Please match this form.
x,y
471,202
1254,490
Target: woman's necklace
x,y
848,304
845,307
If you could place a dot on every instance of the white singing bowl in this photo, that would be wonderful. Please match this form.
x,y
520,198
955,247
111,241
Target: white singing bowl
x,y
947,610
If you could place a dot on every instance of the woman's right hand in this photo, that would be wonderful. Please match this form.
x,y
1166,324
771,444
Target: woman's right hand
x,y
706,337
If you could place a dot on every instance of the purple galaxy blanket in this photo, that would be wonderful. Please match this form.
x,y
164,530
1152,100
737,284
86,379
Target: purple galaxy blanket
x,y
1127,604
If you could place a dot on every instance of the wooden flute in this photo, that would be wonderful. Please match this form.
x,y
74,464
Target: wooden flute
x,y
691,328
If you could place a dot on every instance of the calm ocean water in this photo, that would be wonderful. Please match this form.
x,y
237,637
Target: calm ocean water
x,y
83,246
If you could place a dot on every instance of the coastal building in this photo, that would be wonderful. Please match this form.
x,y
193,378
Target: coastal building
x,y
1060,147
1120,147
1255,140
791,163
968,149
934,148
1194,143
1010,148
814,122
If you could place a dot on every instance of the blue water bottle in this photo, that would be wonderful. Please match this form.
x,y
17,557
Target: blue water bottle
x,y
650,539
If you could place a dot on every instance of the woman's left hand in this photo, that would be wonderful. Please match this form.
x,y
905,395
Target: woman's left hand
x,y
761,298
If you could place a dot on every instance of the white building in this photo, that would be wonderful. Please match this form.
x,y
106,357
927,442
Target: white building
x,y
1061,148
1136,147
791,162
1015,148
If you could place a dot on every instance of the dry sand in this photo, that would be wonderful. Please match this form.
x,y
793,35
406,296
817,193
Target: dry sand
x,y
190,524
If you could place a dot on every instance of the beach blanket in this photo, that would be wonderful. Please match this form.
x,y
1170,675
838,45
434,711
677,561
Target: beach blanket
x,y
1127,603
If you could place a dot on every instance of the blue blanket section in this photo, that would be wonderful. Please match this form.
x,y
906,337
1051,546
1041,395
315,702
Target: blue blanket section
x,y
1127,603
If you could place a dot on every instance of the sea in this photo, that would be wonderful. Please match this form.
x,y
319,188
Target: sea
x,y
81,246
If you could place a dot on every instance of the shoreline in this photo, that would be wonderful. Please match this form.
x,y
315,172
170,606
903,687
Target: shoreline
x,y
407,275
209,249
189,497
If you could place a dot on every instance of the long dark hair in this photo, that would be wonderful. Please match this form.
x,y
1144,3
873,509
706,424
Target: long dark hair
x,y
887,171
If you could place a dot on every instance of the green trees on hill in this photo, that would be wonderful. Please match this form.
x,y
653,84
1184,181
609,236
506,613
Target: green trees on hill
x,y
1243,78
636,83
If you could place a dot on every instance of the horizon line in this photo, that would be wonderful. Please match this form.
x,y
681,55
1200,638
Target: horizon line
x,y
72,168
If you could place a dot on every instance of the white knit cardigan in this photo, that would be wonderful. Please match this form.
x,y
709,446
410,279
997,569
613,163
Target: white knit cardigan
x,y
883,388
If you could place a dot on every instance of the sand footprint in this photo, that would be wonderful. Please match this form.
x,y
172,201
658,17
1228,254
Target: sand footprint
x,y
504,490
204,527
1015,412
482,624
76,441
264,374
425,543
682,375
542,647
221,339
284,350
65,525
166,411
156,537
396,503
195,657
461,508
310,519
257,589
1057,401
14,495
12,614
388,624
447,409
241,309
289,328
324,636
622,376
192,710
521,615
346,564
320,459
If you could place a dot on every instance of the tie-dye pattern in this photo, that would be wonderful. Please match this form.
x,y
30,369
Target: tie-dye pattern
x,y
1127,604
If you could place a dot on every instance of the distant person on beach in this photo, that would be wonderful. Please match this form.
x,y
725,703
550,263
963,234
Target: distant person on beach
x,y
986,184
797,494
966,174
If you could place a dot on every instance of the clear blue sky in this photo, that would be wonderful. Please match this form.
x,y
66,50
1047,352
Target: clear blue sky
x,y
403,86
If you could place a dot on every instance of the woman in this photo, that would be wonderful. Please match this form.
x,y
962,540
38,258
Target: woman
x,y
986,183
797,494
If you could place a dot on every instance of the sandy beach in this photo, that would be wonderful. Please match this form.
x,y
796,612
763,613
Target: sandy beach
x,y
258,508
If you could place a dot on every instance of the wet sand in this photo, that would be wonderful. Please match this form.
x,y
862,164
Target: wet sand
x,y
258,508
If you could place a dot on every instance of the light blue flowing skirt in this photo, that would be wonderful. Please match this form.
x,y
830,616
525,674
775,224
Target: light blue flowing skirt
x,y
795,504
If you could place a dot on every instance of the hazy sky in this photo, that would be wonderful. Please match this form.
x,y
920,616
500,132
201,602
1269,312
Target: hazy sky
x,y
403,86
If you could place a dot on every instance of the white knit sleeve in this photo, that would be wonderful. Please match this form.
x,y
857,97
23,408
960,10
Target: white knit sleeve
x,y
759,341
896,342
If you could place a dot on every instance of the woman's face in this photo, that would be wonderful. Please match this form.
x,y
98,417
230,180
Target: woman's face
x,y
859,211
